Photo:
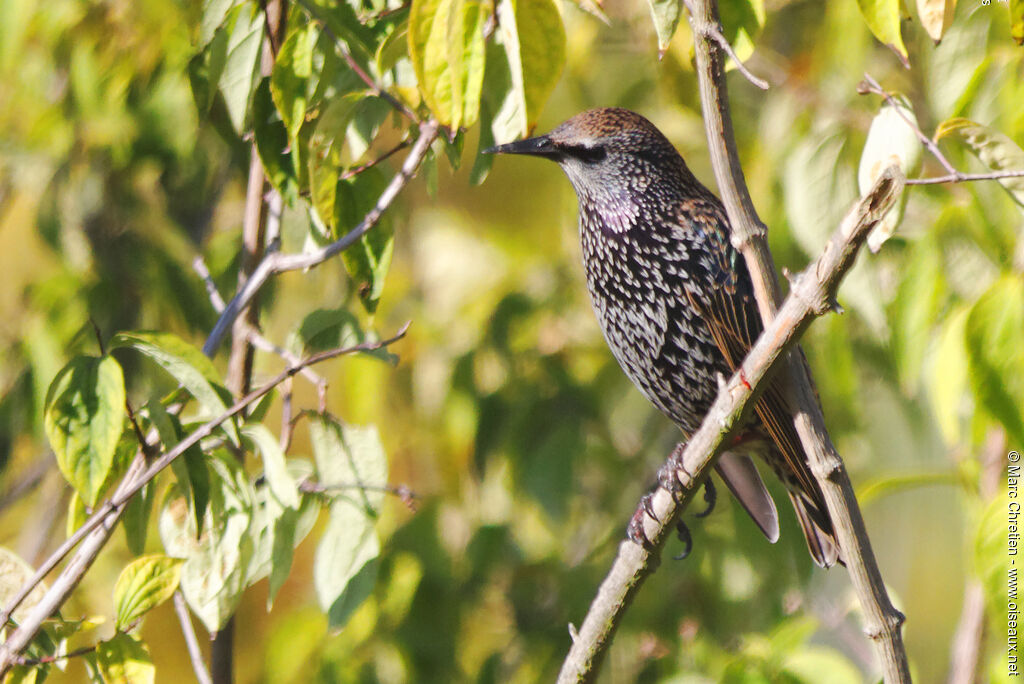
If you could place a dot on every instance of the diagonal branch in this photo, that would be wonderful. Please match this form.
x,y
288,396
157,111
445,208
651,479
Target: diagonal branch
x,y
812,292
279,262
882,621
95,531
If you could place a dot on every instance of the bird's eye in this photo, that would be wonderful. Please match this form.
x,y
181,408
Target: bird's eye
x,y
589,155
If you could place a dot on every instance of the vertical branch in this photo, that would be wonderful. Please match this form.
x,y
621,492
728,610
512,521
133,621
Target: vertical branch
x,y
883,622
239,377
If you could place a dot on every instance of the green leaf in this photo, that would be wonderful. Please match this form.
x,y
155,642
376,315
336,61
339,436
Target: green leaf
x,y
324,329
369,259
883,18
289,81
350,457
665,14
190,468
243,48
216,563
995,150
742,22
277,530
891,140
214,14
282,484
123,659
534,64
77,515
325,144
144,584
187,365
83,421
272,144
995,353
446,45
136,519
345,565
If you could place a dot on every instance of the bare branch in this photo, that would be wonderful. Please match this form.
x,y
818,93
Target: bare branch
x,y
278,262
959,177
812,291
95,531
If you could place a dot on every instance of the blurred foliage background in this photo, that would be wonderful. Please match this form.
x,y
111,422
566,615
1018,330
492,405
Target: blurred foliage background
x,y
507,416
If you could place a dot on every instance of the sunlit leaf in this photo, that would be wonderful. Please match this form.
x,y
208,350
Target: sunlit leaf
x,y
187,365
77,515
243,48
216,563
189,468
742,21
665,14
324,329
891,140
534,40
14,573
995,150
272,143
446,45
350,458
369,259
995,353
277,530
345,565
936,16
214,14
325,146
282,484
83,420
883,18
144,584
136,519
289,81
123,659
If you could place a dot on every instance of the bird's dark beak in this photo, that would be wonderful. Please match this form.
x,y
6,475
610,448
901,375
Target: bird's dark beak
x,y
541,146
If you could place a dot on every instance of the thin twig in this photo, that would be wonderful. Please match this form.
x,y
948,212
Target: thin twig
x,y
810,297
403,492
46,660
870,85
279,262
195,655
714,31
355,171
883,622
95,531
959,177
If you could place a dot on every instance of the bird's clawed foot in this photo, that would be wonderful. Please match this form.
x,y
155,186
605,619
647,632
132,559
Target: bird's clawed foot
x,y
710,497
635,531
683,532
668,474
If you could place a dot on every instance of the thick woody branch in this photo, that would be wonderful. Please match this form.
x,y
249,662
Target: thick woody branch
x,y
882,621
812,291
94,532
278,262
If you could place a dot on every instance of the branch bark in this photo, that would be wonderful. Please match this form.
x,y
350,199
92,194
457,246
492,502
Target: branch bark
x,y
813,290
882,621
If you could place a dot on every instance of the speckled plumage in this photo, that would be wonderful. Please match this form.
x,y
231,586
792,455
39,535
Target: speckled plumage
x,y
672,296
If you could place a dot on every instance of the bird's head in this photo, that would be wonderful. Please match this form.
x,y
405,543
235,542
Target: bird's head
x,y
612,157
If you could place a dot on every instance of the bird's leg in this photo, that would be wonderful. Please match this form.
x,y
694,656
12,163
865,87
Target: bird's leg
x,y
635,530
668,474
710,497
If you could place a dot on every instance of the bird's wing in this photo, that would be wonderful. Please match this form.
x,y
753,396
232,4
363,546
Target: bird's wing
x,y
730,312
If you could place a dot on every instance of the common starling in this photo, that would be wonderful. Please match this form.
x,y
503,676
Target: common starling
x,y
675,301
